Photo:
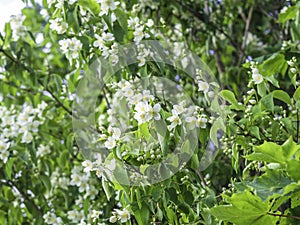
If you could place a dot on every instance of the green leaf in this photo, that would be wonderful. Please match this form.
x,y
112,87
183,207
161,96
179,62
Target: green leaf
x,y
142,215
229,97
261,89
282,96
91,5
8,167
289,148
293,168
106,189
255,131
289,14
143,131
268,68
268,103
296,95
245,209
46,181
268,152
270,183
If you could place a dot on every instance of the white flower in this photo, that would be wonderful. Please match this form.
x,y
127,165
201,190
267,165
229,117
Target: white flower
x,y
116,134
147,96
107,5
122,215
4,156
75,44
154,112
179,108
27,137
50,2
60,3
64,45
255,71
257,78
95,215
3,145
135,99
201,122
203,86
290,63
33,126
108,36
128,92
174,119
58,25
110,143
51,218
192,122
113,219
293,70
42,150
150,23
99,43
138,34
133,22
88,166
141,114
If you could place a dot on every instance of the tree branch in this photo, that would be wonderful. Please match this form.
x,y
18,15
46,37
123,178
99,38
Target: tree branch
x,y
246,34
11,184
284,215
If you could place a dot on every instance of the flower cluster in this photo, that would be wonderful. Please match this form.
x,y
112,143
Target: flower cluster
x,y
293,65
71,48
58,25
17,27
23,123
256,76
122,215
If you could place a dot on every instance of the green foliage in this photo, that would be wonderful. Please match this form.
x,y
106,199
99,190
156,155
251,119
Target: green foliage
x,y
244,169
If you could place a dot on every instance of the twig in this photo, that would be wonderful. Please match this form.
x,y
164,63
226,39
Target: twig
x,y
284,215
246,34
23,194
205,20
201,178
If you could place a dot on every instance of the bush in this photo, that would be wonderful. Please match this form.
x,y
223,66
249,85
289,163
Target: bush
x,y
150,112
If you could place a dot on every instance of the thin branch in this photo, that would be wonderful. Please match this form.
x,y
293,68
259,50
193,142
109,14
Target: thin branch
x,y
284,215
11,184
105,97
205,20
246,34
201,178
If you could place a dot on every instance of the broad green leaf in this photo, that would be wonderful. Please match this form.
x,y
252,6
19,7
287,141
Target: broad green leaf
x,y
142,215
261,89
8,167
268,68
268,152
255,131
296,95
143,131
289,14
268,103
245,209
293,169
270,183
282,96
289,148
91,5
229,97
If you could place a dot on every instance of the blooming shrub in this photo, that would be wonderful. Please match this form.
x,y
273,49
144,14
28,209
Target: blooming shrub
x,y
87,137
